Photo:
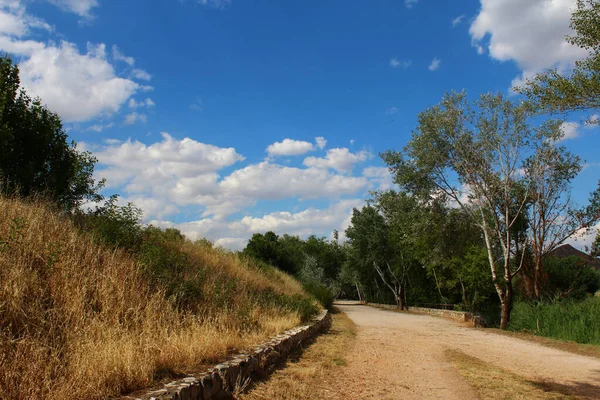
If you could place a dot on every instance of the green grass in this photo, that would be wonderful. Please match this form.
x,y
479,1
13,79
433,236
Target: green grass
x,y
566,320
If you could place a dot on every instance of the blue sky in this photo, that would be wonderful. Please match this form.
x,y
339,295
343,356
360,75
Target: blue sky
x,y
206,113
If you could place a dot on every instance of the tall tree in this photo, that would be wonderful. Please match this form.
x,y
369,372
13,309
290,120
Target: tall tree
x,y
578,90
551,216
35,157
474,155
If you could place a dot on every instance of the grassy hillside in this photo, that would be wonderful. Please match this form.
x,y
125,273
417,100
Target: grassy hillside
x,y
80,320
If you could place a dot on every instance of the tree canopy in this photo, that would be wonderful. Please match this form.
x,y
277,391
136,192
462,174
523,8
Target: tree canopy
x,y
35,157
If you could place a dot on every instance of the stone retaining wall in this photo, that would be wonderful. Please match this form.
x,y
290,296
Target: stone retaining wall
x,y
473,319
225,379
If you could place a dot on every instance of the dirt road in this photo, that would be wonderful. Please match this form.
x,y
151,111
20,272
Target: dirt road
x,y
401,356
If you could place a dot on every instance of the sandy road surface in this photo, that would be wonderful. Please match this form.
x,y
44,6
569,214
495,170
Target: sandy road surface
x,y
401,356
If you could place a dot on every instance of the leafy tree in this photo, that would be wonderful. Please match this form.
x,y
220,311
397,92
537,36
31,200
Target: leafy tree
x,y
269,248
35,157
572,277
477,155
579,90
372,240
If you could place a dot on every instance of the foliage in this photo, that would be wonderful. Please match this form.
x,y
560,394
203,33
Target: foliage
x,y
571,278
566,320
79,319
487,158
113,225
578,90
270,249
595,249
35,158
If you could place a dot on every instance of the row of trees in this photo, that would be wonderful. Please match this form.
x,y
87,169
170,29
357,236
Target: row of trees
x,y
481,177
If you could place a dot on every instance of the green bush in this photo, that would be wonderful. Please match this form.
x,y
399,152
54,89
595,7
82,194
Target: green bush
x,y
578,321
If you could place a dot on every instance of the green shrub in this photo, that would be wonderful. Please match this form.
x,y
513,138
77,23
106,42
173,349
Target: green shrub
x,y
578,321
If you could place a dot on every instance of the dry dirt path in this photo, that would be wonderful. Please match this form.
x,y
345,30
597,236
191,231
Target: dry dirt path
x,y
401,356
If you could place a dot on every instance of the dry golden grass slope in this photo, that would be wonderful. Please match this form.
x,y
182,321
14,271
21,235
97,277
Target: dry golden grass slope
x,y
81,321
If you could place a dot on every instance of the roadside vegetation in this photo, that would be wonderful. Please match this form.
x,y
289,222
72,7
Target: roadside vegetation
x,y
83,320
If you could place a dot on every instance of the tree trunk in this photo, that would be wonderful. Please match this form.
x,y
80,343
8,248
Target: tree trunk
x,y
400,298
360,298
537,278
464,291
507,305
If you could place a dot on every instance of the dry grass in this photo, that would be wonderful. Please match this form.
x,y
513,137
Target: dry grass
x,y
306,378
81,321
494,383
589,350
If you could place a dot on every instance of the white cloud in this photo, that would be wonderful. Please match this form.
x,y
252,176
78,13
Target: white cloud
x,y
531,33
133,118
456,21
410,3
584,238
570,130
289,147
321,142
141,74
118,55
340,159
99,127
172,176
391,111
380,177
77,86
79,7
395,63
234,235
133,104
435,64
267,181
302,223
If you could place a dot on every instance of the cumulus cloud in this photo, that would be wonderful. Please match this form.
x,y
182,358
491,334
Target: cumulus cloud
x,y
289,147
267,181
134,104
530,33
79,7
185,173
78,85
141,74
435,64
134,118
234,234
321,142
380,177
340,159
